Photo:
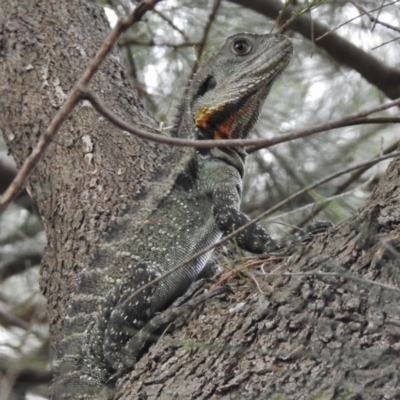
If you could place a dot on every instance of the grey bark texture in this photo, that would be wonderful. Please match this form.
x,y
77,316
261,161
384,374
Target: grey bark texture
x,y
92,167
302,337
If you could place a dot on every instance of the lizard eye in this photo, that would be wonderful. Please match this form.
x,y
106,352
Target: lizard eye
x,y
209,84
241,47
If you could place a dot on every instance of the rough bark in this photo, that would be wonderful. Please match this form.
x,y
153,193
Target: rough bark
x,y
89,172
304,336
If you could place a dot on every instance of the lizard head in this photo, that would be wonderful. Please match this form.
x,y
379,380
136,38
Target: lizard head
x,y
228,92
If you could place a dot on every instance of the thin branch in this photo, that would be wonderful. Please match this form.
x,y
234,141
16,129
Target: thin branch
x,y
322,204
378,120
373,19
200,48
7,174
255,220
207,144
297,13
335,274
152,43
352,19
172,24
15,266
311,22
352,178
348,120
72,100
7,319
385,43
379,13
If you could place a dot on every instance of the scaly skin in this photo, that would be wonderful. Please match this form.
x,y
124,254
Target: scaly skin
x,y
223,102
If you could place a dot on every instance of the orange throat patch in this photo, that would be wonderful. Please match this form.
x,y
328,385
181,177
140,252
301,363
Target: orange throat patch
x,y
221,122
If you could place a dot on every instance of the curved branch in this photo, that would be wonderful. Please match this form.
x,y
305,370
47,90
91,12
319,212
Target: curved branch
x,y
7,174
208,144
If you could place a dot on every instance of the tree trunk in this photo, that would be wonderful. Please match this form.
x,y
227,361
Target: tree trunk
x,y
303,336
87,175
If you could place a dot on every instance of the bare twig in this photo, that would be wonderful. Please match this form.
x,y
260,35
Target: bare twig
x,y
72,100
352,19
352,178
311,22
335,274
385,43
152,43
8,319
298,12
172,24
207,144
379,13
373,19
323,203
200,48
378,120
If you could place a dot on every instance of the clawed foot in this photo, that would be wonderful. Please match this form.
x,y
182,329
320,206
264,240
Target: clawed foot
x,y
308,234
113,378
313,229
319,227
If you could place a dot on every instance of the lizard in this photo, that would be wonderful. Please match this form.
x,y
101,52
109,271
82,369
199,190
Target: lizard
x,y
223,101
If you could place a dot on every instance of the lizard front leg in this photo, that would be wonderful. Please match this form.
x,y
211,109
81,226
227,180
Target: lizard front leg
x,y
254,239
